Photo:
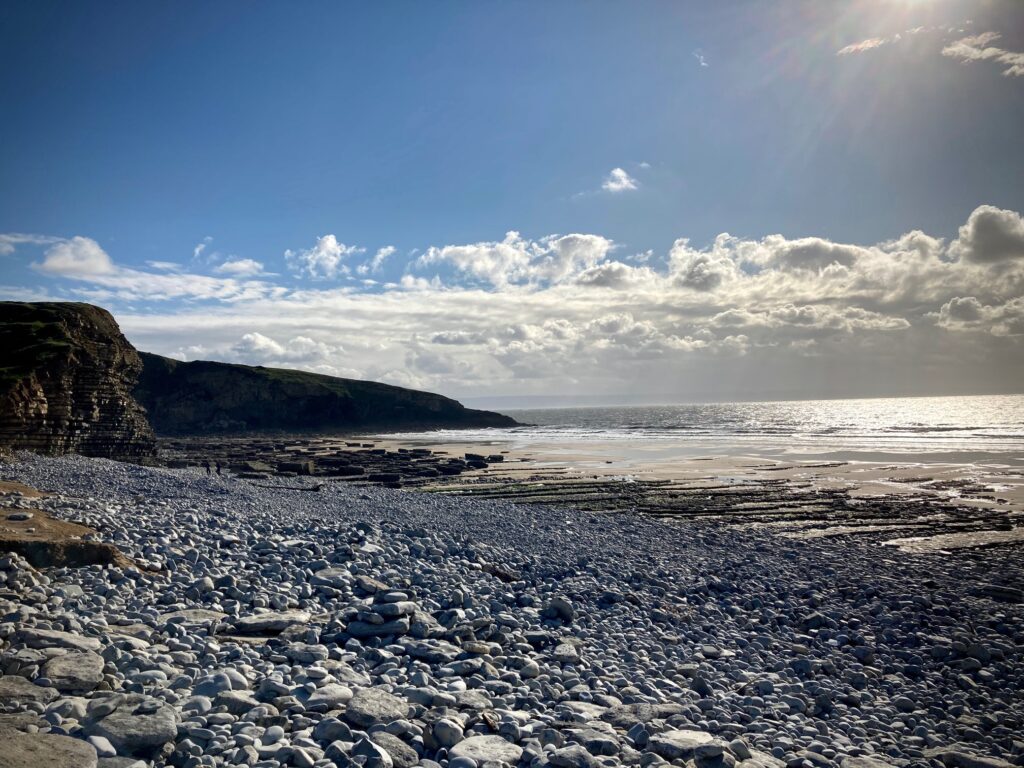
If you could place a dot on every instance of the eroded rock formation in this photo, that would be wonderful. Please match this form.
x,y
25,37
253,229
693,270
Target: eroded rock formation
x,y
66,379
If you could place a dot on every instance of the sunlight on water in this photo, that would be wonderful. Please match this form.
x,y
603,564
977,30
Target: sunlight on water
x,y
891,425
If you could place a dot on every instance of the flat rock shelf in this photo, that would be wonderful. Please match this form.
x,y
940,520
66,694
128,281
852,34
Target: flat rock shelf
x,y
360,625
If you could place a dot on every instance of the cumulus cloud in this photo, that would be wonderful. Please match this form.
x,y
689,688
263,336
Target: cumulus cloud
x,y
561,313
613,274
967,313
323,261
77,257
991,235
516,260
256,348
978,48
619,181
83,260
240,268
702,270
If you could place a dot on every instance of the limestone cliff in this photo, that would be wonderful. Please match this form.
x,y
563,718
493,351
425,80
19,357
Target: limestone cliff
x,y
207,398
66,378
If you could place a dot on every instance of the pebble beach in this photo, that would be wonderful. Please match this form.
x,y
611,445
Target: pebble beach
x,y
294,624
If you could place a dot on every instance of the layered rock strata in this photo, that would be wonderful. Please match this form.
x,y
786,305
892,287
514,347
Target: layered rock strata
x,y
66,382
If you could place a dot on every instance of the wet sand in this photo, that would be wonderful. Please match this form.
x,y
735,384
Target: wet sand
x,y
919,504
963,502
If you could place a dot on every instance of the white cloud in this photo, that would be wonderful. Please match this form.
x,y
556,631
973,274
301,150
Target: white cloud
x,y
77,257
871,43
991,235
83,260
976,48
200,247
255,348
699,56
240,268
613,274
702,270
325,260
619,181
11,240
967,49
515,260
862,46
164,266
966,313
375,264
561,313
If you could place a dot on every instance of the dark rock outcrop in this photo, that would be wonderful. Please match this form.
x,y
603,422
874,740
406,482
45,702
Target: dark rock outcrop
x,y
220,398
66,378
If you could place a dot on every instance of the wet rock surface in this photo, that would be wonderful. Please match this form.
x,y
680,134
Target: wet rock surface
x,y
363,626
329,460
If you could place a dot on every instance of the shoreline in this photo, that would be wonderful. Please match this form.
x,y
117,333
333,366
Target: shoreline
x,y
994,489
945,506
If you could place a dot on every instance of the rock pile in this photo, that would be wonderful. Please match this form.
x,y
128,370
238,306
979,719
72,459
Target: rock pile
x,y
384,629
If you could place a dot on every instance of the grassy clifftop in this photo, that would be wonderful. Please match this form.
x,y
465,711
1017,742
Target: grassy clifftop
x,y
204,397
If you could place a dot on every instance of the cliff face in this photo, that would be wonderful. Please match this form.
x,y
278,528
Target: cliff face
x,y
66,378
208,398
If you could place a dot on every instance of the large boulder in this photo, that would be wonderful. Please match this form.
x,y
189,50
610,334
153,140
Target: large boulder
x,y
75,672
626,716
371,706
682,744
51,638
139,726
271,622
37,750
18,689
487,749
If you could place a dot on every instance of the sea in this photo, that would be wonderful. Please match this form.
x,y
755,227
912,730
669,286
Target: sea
x,y
962,428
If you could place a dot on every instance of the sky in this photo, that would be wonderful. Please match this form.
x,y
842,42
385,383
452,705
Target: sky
x,y
532,202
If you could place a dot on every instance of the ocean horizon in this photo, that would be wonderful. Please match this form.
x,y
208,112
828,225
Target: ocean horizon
x,y
974,427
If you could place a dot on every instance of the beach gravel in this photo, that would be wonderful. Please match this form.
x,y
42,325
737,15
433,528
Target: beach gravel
x,y
343,626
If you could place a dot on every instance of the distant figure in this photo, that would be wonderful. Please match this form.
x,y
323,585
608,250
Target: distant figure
x,y
218,467
206,465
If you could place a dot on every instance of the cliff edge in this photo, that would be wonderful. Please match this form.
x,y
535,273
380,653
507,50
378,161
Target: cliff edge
x,y
205,397
66,379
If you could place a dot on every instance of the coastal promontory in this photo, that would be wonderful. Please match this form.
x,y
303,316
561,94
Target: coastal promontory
x,y
205,397
70,382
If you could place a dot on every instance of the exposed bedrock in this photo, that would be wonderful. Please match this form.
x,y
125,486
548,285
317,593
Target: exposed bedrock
x,y
66,383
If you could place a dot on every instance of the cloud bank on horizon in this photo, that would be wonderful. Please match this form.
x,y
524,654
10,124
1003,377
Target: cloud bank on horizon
x,y
577,314
705,201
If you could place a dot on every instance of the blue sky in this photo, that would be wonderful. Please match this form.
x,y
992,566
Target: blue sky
x,y
209,140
